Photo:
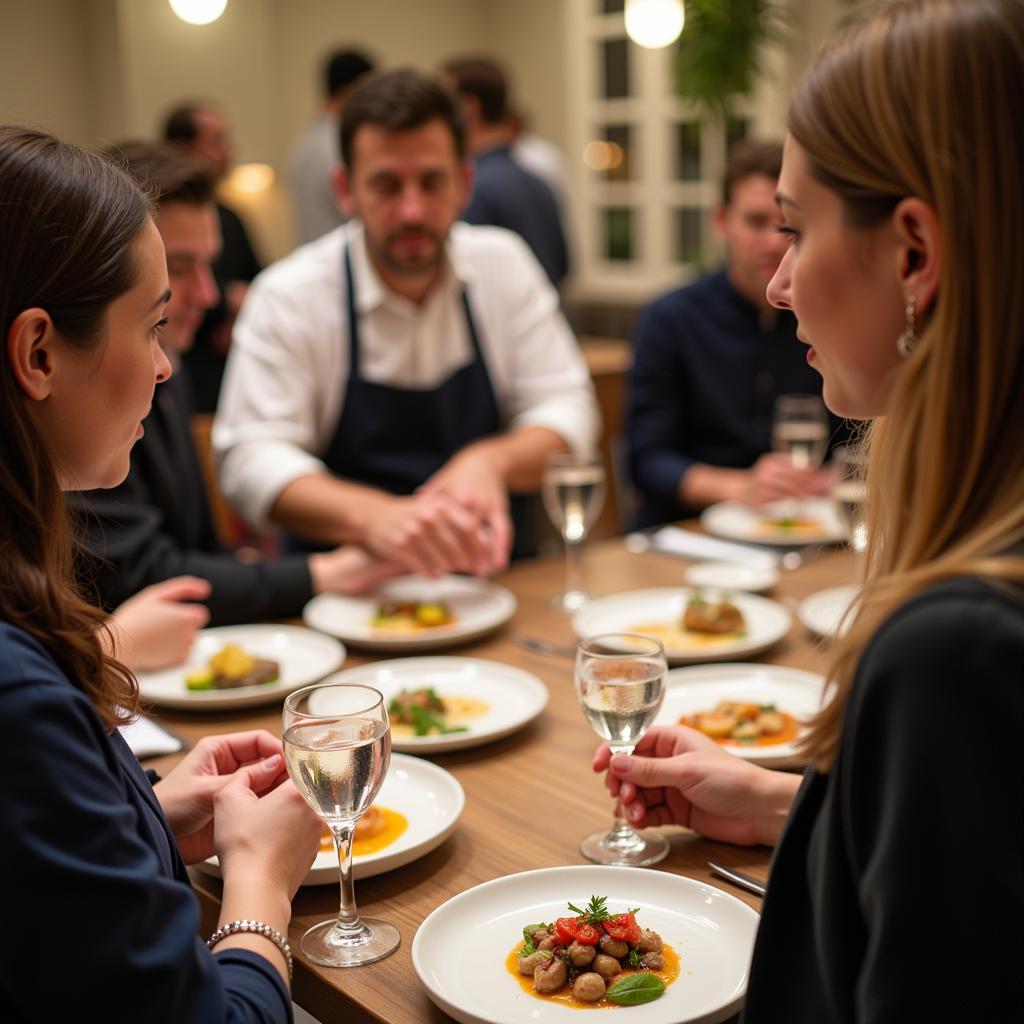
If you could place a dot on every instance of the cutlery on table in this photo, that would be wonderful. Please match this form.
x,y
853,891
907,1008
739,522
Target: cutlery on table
x,y
538,646
740,878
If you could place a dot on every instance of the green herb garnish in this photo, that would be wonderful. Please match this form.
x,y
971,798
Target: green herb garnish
x,y
634,959
596,912
636,989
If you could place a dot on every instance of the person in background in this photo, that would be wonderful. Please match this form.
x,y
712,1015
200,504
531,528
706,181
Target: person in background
x,y
393,382
539,156
202,130
711,357
505,193
157,524
316,154
98,853
901,203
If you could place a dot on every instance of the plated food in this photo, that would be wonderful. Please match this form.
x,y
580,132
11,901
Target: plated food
x,y
413,613
594,958
424,711
741,705
420,804
445,704
787,523
230,667
692,626
461,951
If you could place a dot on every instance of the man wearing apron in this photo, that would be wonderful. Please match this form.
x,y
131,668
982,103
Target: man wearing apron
x,y
400,382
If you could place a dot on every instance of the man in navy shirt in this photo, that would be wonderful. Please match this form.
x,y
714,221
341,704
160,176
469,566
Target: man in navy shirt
x,y
505,194
710,360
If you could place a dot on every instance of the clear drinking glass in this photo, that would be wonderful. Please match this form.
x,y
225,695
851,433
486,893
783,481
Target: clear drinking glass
x,y
573,490
337,742
800,429
850,493
620,684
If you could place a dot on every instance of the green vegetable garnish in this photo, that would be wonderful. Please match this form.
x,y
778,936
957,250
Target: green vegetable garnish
x,y
596,912
634,959
636,989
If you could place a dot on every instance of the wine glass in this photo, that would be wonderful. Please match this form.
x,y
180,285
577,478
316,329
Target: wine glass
x,y
573,489
850,493
620,684
337,742
800,429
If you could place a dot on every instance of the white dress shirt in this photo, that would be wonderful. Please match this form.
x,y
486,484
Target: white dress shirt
x,y
284,386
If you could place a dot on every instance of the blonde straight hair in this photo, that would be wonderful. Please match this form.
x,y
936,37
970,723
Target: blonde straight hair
x,y
923,100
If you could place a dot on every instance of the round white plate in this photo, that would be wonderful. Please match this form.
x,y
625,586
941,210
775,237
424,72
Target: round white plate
x,y
459,951
734,521
823,612
479,606
515,697
728,576
700,688
427,795
304,655
767,621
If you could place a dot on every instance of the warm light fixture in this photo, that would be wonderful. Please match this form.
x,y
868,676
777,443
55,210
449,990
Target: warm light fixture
x,y
198,12
654,23
250,178
603,156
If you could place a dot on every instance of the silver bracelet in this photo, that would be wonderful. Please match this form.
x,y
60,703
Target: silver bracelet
x,y
256,928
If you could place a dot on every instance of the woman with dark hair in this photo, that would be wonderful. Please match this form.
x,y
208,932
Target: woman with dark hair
x,y
897,886
94,857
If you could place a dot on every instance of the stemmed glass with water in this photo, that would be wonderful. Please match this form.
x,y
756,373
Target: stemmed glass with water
x,y
337,743
800,429
850,493
620,684
573,489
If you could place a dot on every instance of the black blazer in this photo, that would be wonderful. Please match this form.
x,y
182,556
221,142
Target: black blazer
x,y
157,524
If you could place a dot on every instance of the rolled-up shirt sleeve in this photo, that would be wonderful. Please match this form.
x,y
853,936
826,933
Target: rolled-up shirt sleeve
x,y
537,368
270,417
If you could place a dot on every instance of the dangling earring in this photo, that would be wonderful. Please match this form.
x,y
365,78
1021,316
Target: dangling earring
x,y
908,339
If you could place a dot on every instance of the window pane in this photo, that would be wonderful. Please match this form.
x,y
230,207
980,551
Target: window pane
x,y
619,139
615,65
688,151
611,6
736,128
618,233
689,234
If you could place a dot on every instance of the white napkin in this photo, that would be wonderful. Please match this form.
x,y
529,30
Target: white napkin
x,y
147,739
700,546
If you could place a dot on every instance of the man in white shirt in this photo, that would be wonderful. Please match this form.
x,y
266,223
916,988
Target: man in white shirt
x,y
394,381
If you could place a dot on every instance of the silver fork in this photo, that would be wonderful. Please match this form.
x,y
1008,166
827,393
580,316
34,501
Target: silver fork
x,y
537,646
740,878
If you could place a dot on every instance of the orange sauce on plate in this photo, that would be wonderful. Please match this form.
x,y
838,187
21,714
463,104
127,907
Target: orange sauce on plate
x,y
790,731
565,997
394,825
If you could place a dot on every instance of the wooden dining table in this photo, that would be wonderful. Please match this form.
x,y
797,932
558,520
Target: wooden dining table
x,y
530,798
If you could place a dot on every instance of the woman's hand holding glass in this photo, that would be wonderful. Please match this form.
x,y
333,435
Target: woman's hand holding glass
x,y
677,776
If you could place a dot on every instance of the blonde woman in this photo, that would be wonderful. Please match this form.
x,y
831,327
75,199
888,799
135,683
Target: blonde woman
x,y
897,887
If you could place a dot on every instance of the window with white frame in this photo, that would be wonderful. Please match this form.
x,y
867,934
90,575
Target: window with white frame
x,y
648,162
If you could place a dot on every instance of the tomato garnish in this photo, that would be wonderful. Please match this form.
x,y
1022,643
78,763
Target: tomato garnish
x,y
575,929
622,928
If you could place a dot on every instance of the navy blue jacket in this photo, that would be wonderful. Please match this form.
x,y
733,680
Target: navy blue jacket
x,y
99,920
708,366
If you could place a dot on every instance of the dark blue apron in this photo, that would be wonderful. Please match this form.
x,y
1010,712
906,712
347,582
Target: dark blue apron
x,y
396,438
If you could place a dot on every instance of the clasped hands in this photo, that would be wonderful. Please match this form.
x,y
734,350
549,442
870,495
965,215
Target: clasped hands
x,y
458,521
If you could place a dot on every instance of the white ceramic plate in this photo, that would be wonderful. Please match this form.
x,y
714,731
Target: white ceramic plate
x,y
822,613
459,951
734,521
700,688
514,697
304,656
767,622
479,606
427,795
727,576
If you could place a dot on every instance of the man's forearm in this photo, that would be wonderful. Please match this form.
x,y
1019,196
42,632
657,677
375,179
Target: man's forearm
x,y
325,509
519,455
703,485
